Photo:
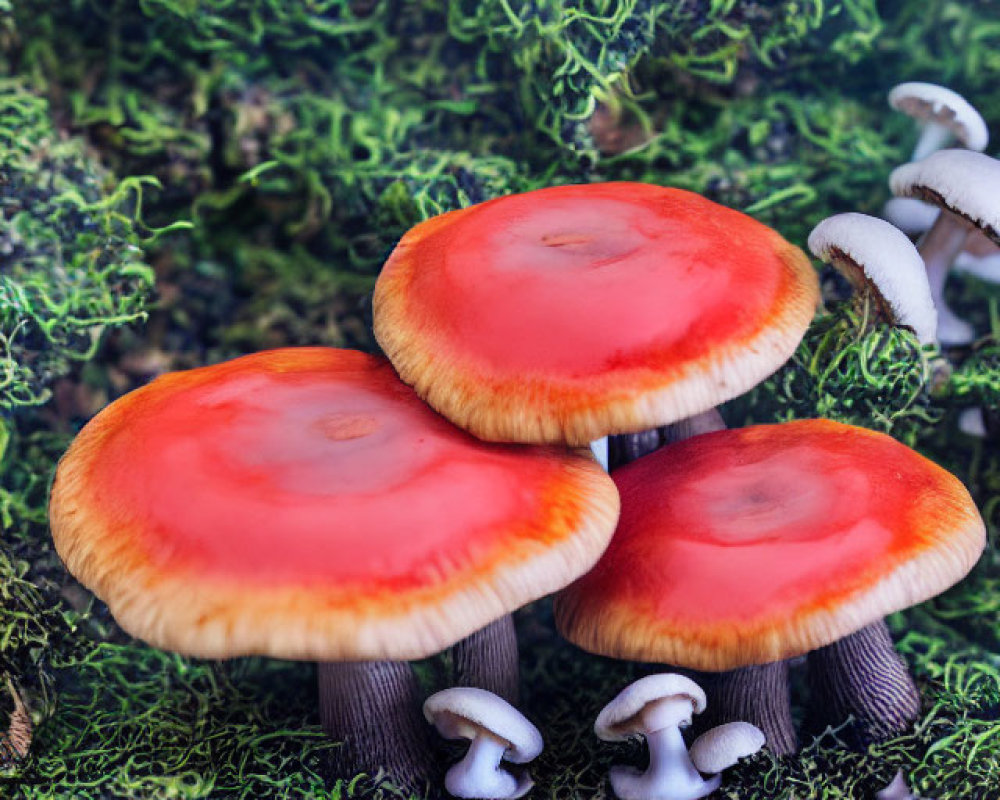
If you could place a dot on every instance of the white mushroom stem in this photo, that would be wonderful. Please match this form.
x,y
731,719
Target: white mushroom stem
x,y
599,447
479,775
939,247
932,138
671,775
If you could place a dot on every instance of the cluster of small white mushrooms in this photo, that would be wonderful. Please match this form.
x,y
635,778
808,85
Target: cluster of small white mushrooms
x,y
947,200
945,196
657,707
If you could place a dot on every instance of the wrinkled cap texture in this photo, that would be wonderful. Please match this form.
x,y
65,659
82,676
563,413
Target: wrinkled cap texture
x,y
304,503
574,312
930,103
753,545
960,181
869,250
462,712
619,719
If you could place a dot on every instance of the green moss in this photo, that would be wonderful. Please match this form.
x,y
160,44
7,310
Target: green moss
x,y
72,266
879,378
302,139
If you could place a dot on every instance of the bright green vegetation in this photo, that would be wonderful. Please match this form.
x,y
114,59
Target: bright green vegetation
x,y
300,140
72,265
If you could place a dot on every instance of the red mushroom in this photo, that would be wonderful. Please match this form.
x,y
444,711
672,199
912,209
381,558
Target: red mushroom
x,y
304,504
742,548
571,313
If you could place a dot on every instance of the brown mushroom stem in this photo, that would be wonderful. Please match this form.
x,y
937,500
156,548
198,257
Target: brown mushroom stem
x,y
757,694
627,447
488,660
862,676
373,707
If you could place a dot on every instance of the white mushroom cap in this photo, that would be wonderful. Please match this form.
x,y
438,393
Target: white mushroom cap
x,y
910,215
889,262
721,747
620,718
464,713
937,105
960,181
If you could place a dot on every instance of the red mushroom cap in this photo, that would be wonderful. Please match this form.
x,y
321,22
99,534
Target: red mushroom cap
x,y
752,545
304,503
569,313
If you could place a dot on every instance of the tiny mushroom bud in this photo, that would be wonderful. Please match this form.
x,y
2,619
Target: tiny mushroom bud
x,y
971,422
882,265
656,707
943,114
496,730
721,747
896,790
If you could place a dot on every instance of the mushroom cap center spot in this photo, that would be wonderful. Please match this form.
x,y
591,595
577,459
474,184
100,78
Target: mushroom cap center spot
x,y
566,239
339,427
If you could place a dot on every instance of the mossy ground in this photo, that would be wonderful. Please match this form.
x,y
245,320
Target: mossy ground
x,y
300,140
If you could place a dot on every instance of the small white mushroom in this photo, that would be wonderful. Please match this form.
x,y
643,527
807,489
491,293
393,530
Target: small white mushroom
x,y
964,184
496,730
943,114
721,747
882,265
656,707
972,423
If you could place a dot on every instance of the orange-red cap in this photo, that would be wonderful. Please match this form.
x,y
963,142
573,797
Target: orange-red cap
x,y
757,544
570,313
304,503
